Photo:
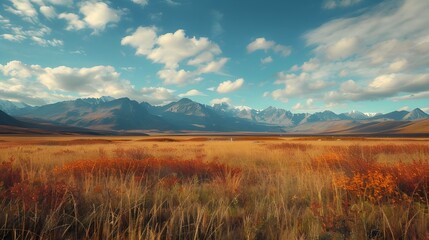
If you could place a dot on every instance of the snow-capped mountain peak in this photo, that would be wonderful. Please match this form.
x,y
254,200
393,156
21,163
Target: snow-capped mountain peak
x,y
241,108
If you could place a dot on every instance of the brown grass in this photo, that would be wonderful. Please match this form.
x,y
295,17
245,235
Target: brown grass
x,y
74,142
213,188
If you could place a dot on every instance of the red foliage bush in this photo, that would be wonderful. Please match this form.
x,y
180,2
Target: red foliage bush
x,y
43,194
13,187
8,176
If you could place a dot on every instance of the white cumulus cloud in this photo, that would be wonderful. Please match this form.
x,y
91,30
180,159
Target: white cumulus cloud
x,y
172,48
141,2
260,44
298,85
192,93
265,45
96,15
48,11
36,32
157,95
23,8
398,65
308,105
73,21
332,4
230,86
220,101
343,48
383,86
178,77
16,69
174,51
267,60
13,38
143,40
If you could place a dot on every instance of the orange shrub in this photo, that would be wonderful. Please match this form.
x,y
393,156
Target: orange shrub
x,y
380,182
148,168
364,178
412,179
373,185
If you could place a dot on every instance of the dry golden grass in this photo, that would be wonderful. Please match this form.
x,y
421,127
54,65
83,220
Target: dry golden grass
x,y
213,188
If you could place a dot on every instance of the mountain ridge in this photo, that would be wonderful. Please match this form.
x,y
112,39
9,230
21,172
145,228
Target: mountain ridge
x,y
10,106
124,114
11,125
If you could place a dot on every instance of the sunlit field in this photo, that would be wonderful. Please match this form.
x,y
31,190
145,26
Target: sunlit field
x,y
213,188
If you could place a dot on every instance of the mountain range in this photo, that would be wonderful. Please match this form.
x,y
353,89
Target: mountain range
x,y
11,125
184,116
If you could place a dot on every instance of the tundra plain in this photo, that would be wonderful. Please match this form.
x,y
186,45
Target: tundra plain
x,y
213,187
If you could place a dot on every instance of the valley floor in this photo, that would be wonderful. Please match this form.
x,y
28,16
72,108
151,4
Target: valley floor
x,y
213,187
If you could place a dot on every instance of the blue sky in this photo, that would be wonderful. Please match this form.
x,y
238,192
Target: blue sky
x,y
301,55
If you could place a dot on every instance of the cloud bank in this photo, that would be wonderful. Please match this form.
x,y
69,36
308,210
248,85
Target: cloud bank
x,y
24,81
174,51
379,54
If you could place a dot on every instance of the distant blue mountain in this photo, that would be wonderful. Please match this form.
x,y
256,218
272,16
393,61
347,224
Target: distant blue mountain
x,y
10,107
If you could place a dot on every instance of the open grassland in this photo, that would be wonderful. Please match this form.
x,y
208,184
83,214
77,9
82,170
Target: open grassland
x,y
213,188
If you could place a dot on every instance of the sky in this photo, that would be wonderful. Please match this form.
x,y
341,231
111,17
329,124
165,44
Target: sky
x,y
300,55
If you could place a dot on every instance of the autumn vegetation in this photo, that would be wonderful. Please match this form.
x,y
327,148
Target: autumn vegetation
x,y
213,188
